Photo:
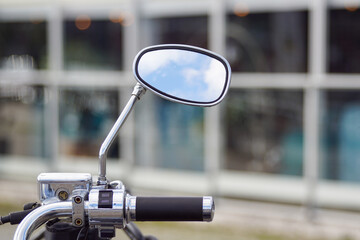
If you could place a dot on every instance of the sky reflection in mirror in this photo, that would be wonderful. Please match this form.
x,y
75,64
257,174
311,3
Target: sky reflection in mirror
x,y
183,74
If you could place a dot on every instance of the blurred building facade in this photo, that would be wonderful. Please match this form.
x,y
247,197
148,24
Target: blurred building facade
x,y
288,130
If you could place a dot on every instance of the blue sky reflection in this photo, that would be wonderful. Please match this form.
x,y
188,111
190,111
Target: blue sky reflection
x,y
183,74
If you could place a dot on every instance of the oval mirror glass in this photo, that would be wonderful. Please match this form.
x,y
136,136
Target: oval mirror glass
x,y
183,74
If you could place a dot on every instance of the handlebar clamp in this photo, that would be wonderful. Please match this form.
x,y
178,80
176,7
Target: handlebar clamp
x,y
78,207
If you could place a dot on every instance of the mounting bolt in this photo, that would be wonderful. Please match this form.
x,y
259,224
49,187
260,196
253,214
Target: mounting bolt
x,y
78,222
63,195
78,199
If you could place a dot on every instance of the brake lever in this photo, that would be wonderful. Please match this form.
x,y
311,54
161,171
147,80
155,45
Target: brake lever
x,y
134,233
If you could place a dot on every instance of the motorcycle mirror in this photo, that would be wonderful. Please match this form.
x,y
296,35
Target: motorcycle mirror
x,y
183,74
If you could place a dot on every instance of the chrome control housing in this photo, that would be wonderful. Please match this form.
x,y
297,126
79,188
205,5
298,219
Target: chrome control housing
x,y
61,185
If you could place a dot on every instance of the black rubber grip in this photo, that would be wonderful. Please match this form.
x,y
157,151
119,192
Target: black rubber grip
x,y
169,209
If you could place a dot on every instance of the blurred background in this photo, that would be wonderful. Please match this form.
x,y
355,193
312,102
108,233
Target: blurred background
x,y
284,144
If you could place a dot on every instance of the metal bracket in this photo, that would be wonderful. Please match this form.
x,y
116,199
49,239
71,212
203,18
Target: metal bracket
x,y
105,146
78,207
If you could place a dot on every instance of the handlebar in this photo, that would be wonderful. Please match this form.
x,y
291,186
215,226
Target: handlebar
x,y
40,216
133,209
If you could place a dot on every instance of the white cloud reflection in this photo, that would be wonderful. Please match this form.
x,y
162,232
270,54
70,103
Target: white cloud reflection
x,y
191,76
155,60
215,77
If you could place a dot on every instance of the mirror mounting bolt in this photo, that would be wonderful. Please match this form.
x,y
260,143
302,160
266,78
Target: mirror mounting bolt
x,y
102,181
138,91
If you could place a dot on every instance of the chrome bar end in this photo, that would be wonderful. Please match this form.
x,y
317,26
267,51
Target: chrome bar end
x,y
208,208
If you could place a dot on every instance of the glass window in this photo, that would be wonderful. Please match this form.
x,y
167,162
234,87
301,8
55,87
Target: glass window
x,y
178,30
23,45
267,42
86,117
170,135
341,135
91,44
264,131
344,33
22,121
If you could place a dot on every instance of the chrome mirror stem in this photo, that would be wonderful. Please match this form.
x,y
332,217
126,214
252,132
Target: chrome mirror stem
x,y
136,95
